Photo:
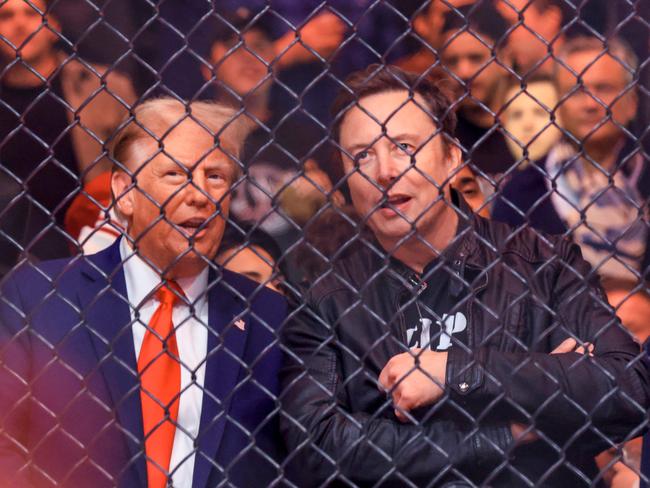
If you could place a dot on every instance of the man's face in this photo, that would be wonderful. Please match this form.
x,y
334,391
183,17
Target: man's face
x,y
534,32
21,26
244,68
429,23
584,108
471,61
466,183
181,199
396,176
527,119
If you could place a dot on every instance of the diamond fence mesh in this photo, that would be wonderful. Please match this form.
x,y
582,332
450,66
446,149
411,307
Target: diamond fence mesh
x,y
361,243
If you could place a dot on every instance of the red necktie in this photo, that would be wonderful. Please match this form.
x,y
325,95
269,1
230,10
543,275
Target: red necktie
x,y
160,379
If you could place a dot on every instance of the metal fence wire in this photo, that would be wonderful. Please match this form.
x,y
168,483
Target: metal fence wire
x,y
324,243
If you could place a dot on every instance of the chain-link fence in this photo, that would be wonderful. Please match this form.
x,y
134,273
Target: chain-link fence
x,y
360,243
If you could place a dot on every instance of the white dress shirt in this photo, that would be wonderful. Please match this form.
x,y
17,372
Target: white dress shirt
x,y
192,339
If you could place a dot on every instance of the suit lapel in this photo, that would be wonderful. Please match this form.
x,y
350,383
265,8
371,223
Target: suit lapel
x,y
105,302
226,345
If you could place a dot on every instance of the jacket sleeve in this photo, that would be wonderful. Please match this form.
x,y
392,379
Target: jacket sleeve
x,y
604,397
14,388
327,441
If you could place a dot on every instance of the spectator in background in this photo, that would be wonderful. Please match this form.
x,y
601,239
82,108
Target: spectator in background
x,y
428,18
632,304
537,33
527,118
240,70
471,34
589,185
107,42
281,154
473,188
536,27
315,44
631,301
318,43
321,34
251,252
56,111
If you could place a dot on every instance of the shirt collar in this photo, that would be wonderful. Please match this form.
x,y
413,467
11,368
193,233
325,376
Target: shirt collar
x,y
142,279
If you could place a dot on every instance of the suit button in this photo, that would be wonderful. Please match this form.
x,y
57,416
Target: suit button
x,y
463,387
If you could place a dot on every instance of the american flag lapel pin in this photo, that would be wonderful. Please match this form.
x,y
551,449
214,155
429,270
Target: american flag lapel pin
x,y
240,324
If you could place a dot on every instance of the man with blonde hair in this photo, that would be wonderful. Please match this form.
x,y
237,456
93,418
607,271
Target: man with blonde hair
x,y
145,364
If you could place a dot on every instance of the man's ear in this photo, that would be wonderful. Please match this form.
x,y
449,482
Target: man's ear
x,y
454,157
123,193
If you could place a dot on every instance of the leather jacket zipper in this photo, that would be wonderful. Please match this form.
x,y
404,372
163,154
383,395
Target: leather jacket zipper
x,y
416,281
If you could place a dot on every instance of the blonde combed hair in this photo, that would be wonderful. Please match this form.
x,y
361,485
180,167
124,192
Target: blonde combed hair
x,y
154,119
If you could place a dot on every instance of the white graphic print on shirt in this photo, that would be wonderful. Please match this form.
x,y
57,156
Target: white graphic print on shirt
x,y
453,324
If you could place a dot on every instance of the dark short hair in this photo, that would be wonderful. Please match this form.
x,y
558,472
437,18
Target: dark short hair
x,y
379,78
481,18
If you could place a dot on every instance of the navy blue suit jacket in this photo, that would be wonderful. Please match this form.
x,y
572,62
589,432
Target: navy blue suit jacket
x,y
69,391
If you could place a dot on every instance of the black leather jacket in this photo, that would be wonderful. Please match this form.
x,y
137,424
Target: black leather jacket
x,y
529,293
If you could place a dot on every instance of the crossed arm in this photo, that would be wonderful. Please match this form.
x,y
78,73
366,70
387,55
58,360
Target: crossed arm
x,y
417,378
599,389
602,384
328,441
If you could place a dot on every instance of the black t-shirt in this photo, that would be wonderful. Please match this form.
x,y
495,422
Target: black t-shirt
x,y
437,316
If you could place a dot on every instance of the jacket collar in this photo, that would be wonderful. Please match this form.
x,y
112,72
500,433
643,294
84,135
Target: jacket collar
x,y
463,252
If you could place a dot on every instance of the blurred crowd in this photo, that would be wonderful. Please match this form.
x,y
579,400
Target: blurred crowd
x,y
549,99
